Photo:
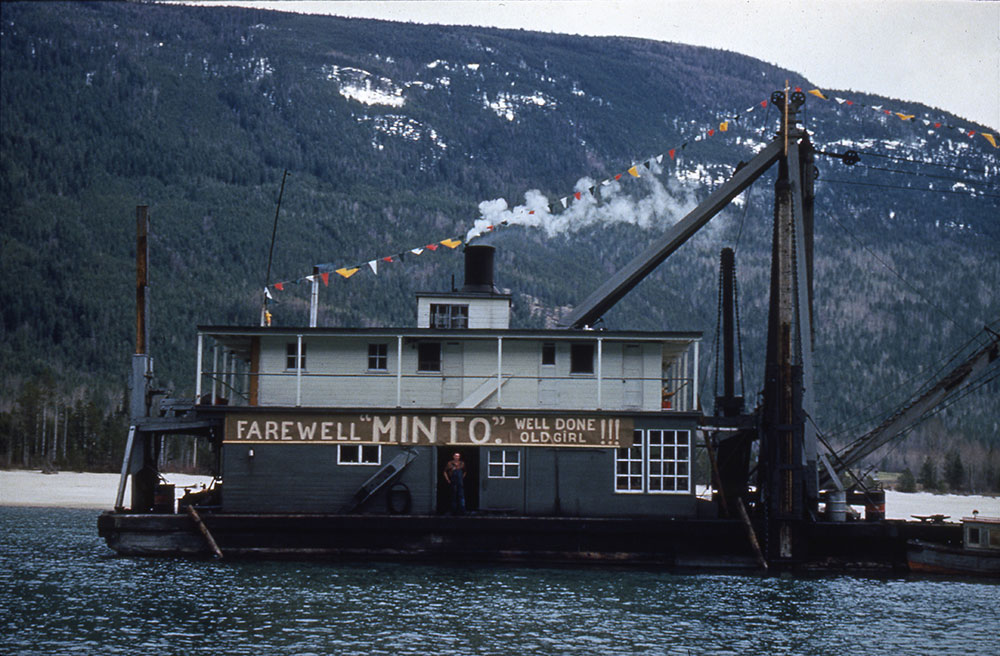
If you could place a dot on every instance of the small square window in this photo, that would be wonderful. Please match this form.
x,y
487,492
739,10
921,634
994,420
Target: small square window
x,y
429,356
548,354
504,463
359,454
291,350
581,358
378,357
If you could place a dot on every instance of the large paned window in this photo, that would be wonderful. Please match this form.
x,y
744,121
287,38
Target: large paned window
x,y
378,357
359,454
429,356
291,349
658,462
581,358
504,463
449,316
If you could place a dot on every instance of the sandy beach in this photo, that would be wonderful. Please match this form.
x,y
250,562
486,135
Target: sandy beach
x,y
97,491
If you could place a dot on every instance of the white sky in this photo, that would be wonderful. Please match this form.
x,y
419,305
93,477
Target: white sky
x,y
943,53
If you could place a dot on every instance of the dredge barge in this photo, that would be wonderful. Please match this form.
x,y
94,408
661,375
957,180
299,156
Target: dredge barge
x,y
578,445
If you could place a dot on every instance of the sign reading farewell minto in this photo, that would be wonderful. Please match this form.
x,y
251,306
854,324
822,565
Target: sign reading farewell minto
x,y
442,429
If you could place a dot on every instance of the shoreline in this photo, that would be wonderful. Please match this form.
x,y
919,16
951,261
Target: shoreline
x,y
97,491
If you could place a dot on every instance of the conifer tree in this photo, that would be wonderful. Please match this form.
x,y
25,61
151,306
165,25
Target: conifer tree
x,y
928,475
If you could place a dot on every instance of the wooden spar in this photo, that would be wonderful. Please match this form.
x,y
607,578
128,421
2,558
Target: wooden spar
x,y
204,531
750,533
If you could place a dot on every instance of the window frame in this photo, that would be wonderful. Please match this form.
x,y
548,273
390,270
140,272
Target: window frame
x,y
548,349
449,316
575,357
649,464
508,469
360,451
380,354
421,361
291,350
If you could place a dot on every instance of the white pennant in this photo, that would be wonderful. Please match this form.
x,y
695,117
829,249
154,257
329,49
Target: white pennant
x,y
416,251
267,293
563,201
659,158
374,265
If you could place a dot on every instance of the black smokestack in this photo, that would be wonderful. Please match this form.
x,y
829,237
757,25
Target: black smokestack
x,y
479,269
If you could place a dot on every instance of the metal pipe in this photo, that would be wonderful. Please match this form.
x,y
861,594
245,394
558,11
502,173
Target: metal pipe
x,y
298,370
399,371
499,370
600,363
197,379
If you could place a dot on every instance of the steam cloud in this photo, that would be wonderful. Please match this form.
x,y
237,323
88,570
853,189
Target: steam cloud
x,y
658,205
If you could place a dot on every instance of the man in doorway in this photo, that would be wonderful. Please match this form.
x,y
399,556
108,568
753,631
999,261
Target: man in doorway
x,y
454,473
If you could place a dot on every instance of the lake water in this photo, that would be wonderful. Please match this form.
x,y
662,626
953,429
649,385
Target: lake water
x,y
62,591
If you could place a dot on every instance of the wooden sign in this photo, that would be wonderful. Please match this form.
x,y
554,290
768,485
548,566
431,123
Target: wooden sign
x,y
425,429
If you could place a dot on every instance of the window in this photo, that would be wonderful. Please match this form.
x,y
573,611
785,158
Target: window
x,y
658,462
548,354
449,316
628,465
504,463
974,536
290,351
581,358
359,454
378,357
429,356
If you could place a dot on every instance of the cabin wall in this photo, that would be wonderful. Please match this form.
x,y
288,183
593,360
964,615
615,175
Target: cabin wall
x,y
306,478
483,312
337,373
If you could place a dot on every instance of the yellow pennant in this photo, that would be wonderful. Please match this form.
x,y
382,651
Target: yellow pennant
x,y
818,94
452,243
723,126
634,172
989,137
905,117
347,273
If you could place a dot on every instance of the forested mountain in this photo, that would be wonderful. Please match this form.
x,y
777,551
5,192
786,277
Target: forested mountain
x,y
394,134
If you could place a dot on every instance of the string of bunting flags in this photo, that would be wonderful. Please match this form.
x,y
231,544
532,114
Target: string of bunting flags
x,y
633,172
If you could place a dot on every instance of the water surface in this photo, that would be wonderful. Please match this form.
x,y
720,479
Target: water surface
x,y
62,591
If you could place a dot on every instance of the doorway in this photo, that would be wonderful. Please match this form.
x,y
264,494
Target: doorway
x,y
470,456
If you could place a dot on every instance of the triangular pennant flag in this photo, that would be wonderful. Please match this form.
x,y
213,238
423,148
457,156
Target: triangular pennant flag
x,y
605,182
326,278
937,125
388,258
711,132
267,293
647,163
634,172
280,286
431,247
798,89
659,158
618,176
763,103
451,243
345,272
840,101
723,126
401,256
552,208
887,112
989,137
374,266
905,117
577,195
850,102
672,152
311,279
563,201
925,121
972,133
818,94
591,190
531,211
416,251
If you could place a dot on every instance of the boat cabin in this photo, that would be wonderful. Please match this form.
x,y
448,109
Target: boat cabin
x,y
364,420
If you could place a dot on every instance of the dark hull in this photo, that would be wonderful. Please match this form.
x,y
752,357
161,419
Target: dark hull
x,y
943,559
638,542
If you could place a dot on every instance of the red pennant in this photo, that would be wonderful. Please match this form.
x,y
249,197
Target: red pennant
x,y
673,151
887,112
763,103
280,286
972,133
326,279
531,211
850,102
387,259
618,177
431,247
798,89
711,132
937,125
578,195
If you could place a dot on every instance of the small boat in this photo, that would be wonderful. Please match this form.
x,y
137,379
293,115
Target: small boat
x,y
978,555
